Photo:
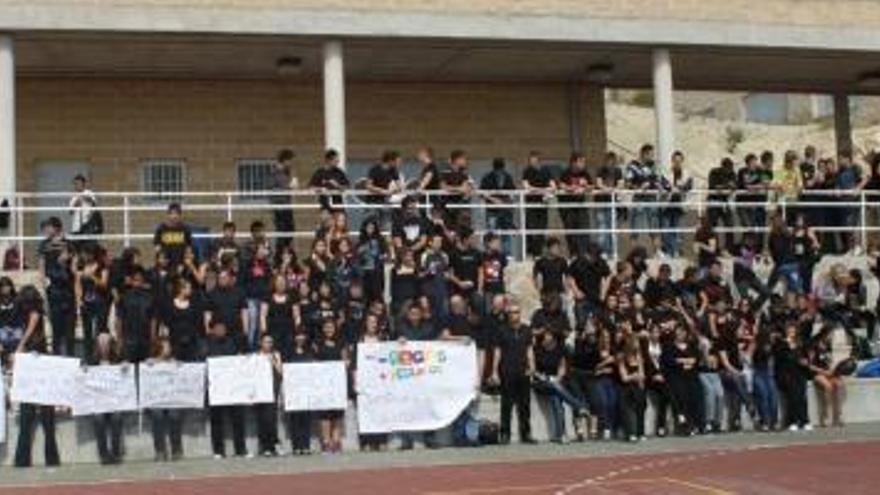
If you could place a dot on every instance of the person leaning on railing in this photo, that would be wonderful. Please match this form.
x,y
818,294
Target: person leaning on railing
x,y
282,183
330,178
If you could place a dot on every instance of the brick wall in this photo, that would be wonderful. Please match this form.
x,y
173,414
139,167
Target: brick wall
x,y
114,124
855,13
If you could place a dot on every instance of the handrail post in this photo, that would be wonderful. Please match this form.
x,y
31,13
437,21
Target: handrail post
x,y
523,229
126,222
613,232
783,204
19,230
229,207
864,220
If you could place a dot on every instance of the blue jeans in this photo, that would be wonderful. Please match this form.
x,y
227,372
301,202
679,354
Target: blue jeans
x,y
583,310
556,395
603,222
713,397
643,217
603,400
791,273
671,219
766,397
502,220
253,323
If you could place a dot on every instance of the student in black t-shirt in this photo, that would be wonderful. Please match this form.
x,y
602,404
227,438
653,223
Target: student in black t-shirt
x,y
330,178
429,176
228,304
494,262
383,181
458,187
56,266
733,378
609,179
34,340
575,183
465,262
299,423
550,270
173,236
281,184
536,179
551,368
220,343
499,214
722,182
330,348
267,413
136,317
588,276
514,366
184,319
410,230
166,424
108,426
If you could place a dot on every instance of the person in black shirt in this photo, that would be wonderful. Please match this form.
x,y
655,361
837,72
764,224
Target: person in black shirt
x,y
383,180
136,318
679,359
551,367
219,343
256,279
733,378
549,271
465,262
537,180
34,340
575,182
722,182
183,317
791,370
514,365
92,292
299,423
228,304
609,178
429,176
750,179
328,347
410,230
56,264
330,178
281,185
11,324
173,236
785,265
278,317
499,214
491,280
458,187
587,277
551,316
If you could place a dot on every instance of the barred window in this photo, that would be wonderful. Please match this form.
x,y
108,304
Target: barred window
x,y
254,174
164,178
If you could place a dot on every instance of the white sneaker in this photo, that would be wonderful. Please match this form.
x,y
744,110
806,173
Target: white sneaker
x,y
807,427
793,428
606,434
661,254
857,251
218,457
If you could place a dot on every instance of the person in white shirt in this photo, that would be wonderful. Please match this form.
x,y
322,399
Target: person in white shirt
x,y
82,208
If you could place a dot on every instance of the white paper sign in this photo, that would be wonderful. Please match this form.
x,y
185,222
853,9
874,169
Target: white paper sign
x,y
417,386
171,385
320,386
44,380
105,389
240,380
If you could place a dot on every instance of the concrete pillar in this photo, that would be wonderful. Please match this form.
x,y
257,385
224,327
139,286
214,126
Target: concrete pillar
x,y
7,117
842,123
334,99
663,107
593,126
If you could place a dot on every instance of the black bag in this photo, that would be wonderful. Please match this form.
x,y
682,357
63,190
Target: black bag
x,y
490,432
95,225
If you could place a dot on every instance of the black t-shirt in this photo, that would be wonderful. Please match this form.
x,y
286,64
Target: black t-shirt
x,y
611,175
381,176
184,324
556,323
409,228
588,275
226,305
514,344
136,311
572,177
721,178
716,290
492,266
706,258
456,178
749,177
458,326
537,177
497,180
729,344
324,178
432,169
547,361
466,264
552,270
173,240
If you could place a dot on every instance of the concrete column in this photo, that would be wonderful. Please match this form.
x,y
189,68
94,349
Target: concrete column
x,y
842,123
663,107
334,99
593,125
7,117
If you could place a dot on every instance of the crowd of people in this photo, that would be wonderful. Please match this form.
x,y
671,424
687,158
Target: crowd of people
x,y
607,338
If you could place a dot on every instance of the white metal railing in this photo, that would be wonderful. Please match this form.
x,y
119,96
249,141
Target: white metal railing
x,y
229,205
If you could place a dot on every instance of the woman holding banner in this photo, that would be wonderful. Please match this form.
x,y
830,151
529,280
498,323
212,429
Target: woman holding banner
x,y
34,340
329,348
267,414
108,426
167,424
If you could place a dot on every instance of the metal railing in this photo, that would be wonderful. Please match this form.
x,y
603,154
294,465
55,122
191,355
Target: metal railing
x,y
131,217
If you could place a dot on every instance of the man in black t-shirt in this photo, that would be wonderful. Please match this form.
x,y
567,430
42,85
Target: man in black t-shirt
x,y
281,183
537,179
457,184
228,303
609,178
330,177
56,257
383,179
751,178
722,182
576,182
410,230
466,261
514,365
501,217
494,261
587,274
137,317
549,270
172,236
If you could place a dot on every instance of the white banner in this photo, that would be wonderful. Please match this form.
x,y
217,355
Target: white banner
x,y
44,380
240,380
320,386
105,389
417,386
171,385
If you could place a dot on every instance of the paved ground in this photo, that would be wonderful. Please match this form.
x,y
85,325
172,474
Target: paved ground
x,y
824,461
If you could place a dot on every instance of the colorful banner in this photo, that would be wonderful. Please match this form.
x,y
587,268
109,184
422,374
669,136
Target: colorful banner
x,y
417,386
171,385
240,380
44,380
321,386
105,389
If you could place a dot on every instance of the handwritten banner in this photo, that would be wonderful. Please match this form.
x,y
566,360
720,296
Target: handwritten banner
x,y
171,385
240,380
44,380
105,389
417,386
319,386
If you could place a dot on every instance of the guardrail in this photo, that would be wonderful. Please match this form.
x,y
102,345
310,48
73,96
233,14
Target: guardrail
x,y
214,207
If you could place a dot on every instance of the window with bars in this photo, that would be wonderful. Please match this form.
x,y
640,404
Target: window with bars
x,y
164,178
254,174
